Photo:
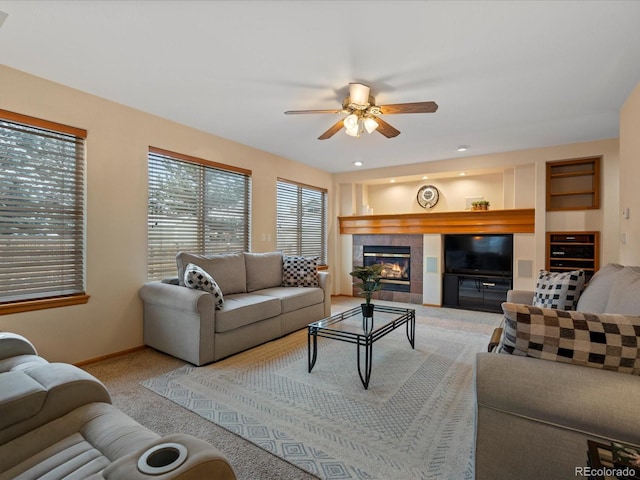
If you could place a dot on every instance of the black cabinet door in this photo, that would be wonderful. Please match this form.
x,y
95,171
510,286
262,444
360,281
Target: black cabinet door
x,y
475,292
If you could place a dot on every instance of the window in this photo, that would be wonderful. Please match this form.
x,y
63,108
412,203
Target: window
x,y
42,215
302,220
196,206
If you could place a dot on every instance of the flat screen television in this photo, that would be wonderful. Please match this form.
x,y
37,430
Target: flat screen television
x,y
479,254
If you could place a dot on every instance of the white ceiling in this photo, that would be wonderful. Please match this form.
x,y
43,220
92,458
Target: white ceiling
x,y
507,75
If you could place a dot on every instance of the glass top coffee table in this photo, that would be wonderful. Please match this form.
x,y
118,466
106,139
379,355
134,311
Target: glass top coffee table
x,y
351,327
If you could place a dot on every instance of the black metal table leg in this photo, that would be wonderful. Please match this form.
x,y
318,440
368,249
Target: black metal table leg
x,y
411,329
368,361
312,358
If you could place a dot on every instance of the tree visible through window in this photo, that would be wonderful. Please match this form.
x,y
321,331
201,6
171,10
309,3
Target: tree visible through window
x,y
42,244
195,206
302,220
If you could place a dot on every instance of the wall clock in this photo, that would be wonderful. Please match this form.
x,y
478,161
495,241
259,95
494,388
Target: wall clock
x,y
428,196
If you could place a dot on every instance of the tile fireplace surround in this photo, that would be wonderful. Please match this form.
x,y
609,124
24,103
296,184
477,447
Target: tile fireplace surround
x,y
413,241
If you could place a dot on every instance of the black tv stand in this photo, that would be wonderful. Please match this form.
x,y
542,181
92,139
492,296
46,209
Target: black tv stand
x,y
475,291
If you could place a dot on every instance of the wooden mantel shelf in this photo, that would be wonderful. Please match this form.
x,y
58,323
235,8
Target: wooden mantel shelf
x,y
480,221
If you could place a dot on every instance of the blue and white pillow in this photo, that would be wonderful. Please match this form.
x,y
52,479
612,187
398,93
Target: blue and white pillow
x,y
196,278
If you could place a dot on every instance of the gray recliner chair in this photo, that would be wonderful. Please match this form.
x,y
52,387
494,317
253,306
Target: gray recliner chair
x,y
57,420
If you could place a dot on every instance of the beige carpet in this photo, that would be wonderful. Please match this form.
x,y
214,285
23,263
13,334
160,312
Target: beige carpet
x,y
415,421
122,376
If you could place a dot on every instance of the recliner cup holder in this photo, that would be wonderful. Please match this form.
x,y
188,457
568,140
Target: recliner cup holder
x,y
162,458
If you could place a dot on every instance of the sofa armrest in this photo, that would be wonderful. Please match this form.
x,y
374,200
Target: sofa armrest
x,y
176,297
202,461
520,296
534,417
12,345
179,321
574,396
494,341
324,279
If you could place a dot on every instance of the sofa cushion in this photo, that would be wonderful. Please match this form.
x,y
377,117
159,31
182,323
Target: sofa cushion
x,y
295,298
244,308
196,278
624,297
264,270
299,271
228,269
558,290
606,341
594,298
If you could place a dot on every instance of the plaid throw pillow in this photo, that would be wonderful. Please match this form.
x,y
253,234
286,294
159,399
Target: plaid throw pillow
x,y
196,278
606,341
558,290
300,271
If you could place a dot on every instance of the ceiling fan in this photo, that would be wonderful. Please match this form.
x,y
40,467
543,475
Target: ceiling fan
x,y
362,113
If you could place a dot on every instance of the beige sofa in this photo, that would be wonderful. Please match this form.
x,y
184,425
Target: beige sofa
x,y
185,323
537,407
57,422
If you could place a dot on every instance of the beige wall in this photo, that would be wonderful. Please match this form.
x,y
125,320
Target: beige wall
x,y
521,184
117,143
629,176
401,197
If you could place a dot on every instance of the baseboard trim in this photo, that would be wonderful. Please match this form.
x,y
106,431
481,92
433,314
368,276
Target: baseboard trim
x,y
110,355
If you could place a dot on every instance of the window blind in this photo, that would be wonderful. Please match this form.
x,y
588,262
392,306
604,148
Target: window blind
x,y
301,220
194,207
42,211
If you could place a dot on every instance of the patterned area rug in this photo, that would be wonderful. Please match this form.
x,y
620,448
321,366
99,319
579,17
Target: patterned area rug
x,y
416,420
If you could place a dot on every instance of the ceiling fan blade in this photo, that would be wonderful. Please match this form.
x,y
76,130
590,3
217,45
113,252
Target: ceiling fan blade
x,y
300,112
415,107
385,129
335,128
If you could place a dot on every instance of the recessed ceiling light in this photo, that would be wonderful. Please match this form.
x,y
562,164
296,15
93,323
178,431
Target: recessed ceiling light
x,y
462,174
425,178
393,180
463,148
357,163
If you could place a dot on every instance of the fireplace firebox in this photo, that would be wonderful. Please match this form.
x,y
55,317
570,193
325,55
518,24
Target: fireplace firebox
x,y
396,275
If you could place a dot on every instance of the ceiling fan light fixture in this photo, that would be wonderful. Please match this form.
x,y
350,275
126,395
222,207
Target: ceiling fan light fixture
x,y
370,124
352,125
351,122
353,132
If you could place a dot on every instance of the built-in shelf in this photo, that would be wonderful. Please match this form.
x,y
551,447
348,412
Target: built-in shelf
x,y
480,221
567,251
573,184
